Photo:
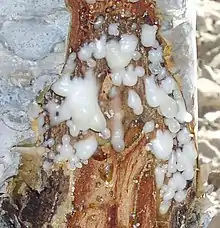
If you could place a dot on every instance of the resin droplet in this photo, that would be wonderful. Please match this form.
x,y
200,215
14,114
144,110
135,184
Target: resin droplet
x,y
169,194
168,107
148,35
159,176
180,196
184,136
164,207
162,145
172,163
134,102
173,125
86,148
153,92
149,126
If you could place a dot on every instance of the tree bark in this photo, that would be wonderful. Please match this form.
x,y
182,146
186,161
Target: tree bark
x,y
115,190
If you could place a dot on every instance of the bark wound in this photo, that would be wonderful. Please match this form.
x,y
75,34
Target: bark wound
x,y
125,200
114,190
117,189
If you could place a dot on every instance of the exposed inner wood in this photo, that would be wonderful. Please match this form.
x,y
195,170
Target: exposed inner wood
x,y
121,187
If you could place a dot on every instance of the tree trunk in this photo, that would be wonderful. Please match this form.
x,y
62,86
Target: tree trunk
x,y
114,190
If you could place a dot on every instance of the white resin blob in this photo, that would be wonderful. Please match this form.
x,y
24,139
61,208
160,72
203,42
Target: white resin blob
x,y
86,148
119,54
148,35
156,96
162,145
117,139
81,102
149,126
134,102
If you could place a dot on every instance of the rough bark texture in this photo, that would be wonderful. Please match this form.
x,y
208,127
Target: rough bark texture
x,y
34,196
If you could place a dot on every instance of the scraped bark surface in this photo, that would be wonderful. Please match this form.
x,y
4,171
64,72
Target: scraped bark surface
x,y
116,192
